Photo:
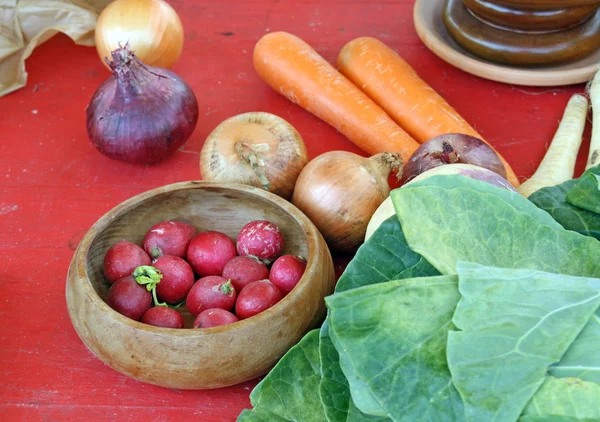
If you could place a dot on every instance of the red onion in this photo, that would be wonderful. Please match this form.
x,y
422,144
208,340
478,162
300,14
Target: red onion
x,y
141,114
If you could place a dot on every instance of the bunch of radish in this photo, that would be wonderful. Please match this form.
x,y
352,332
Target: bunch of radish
x,y
217,279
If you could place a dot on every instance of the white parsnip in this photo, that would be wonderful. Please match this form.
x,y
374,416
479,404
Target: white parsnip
x,y
558,165
594,94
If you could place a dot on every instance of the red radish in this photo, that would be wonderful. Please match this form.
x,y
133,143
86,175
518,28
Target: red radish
x,y
286,272
129,298
243,270
177,278
122,258
163,316
209,292
213,318
209,251
168,238
255,298
261,239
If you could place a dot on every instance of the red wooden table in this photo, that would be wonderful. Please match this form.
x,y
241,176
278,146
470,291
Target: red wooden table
x,y
54,185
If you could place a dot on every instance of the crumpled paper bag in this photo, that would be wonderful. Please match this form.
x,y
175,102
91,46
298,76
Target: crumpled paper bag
x,y
25,24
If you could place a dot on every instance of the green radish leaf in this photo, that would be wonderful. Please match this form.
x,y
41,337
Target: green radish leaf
x,y
585,193
259,415
480,227
334,388
290,391
530,418
457,223
515,199
354,347
566,397
515,324
385,256
393,337
355,415
447,223
554,201
582,360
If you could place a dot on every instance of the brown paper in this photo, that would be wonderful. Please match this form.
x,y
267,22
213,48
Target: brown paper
x,y
25,24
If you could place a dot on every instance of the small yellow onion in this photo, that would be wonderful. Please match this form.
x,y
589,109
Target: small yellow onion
x,y
256,148
151,27
340,191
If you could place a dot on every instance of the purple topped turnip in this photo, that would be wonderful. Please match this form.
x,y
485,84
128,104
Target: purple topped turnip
x,y
452,148
386,209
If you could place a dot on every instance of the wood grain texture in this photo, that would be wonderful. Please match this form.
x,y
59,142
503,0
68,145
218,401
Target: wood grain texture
x,y
54,185
197,358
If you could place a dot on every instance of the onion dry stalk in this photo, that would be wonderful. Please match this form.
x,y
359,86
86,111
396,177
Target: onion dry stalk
x,y
340,191
141,114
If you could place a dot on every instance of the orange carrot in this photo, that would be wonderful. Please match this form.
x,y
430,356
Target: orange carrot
x,y
292,68
395,86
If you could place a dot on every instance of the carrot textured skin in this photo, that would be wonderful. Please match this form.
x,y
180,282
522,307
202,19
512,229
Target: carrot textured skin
x,y
295,70
395,86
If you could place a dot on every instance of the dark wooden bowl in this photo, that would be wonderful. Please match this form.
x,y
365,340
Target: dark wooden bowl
x,y
197,358
521,47
429,24
532,20
545,4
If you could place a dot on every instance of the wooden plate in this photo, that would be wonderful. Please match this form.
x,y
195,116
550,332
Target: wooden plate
x,y
430,28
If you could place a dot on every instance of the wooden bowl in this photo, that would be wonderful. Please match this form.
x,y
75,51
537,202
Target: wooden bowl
x,y
429,24
531,20
197,358
545,4
520,47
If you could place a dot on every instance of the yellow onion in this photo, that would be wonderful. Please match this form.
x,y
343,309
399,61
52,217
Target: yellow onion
x,y
256,148
150,27
339,191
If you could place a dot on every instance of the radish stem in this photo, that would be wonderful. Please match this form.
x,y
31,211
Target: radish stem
x,y
148,276
594,94
558,165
